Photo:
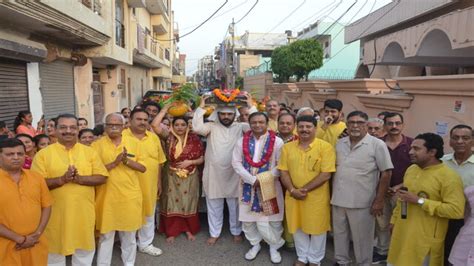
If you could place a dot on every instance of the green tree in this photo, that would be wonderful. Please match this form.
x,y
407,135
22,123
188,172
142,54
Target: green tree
x,y
305,56
280,66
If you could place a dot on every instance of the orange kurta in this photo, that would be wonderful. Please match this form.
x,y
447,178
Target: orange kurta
x,y
21,213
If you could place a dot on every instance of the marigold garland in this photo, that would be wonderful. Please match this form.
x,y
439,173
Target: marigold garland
x,y
265,158
224,98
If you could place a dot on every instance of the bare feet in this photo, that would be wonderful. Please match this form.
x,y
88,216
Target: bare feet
x,y
238,239
190,236
211,241
170,240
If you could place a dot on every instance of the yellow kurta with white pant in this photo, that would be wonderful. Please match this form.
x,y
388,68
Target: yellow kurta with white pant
x,y
152,156
119,201
422,233
312,214
71,225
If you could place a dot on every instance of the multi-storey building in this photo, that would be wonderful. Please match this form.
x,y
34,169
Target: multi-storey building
x,y
86,57
238,54
340,60
205,74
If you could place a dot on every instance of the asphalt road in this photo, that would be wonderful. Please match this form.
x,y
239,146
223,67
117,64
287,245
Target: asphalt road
x,y
224,252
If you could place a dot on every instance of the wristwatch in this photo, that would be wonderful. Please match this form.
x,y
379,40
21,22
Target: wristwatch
x,y
421,201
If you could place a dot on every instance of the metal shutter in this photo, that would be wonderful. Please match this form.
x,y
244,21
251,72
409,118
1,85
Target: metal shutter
x,y
13,90
57,88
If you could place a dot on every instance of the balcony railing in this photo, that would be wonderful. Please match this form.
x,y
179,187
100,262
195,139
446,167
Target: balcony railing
x,y
93,5
147,42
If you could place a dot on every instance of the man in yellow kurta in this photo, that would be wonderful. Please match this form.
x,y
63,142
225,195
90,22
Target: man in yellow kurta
x,y
153,157
25,209
435,195
305,167
119,201
71,171
273,111
332,127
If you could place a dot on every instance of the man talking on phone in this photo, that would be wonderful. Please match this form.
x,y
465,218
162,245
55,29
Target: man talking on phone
x,y
333,127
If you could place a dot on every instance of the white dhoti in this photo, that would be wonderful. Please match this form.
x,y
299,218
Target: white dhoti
x,y
270,232
128,245
310,248
215,216
79,258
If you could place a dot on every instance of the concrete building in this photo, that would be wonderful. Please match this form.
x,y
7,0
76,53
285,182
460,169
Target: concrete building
x,y
422,38
340,60
86,57
248,50
417,58
205,74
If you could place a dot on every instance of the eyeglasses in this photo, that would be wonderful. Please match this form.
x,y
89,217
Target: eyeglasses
x,y
398,123
359,123
113,125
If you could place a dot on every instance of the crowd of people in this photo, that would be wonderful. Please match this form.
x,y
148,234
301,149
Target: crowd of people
x,y
288,177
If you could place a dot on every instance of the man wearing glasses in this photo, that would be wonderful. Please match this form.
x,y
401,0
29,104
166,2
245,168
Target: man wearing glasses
x,y
72,170
119,201
398,146
363,170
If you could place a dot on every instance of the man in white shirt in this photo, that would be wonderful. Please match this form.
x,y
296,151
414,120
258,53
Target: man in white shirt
x,y
220,182
261,208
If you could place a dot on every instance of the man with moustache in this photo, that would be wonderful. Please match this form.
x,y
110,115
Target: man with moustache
x,y
287,132
434,195
152,108
286,127
72,170
273,110
362,178
153,158
220,182
243,114
333,127
26,208
305,168
119,201
461,161
255,158
398,146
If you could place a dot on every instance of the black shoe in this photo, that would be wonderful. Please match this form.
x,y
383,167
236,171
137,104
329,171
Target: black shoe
x,y
378,259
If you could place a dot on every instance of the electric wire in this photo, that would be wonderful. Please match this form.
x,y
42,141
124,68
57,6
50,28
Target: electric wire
x,y
220,15
200,25
248,12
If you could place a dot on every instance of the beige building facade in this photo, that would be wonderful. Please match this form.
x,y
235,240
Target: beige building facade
x,y
87,57
417,58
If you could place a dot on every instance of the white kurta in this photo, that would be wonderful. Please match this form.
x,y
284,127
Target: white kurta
x,y
219,178
245,214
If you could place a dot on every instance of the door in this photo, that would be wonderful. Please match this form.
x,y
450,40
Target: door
x,y
98,98
13,90
57,88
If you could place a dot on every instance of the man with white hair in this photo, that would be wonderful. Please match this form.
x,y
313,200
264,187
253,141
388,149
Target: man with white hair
x,y
375,127
305,111
119,201
220,182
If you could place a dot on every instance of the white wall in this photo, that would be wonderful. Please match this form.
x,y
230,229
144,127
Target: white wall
x,y
34,93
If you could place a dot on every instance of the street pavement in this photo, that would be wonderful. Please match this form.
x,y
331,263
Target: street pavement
x,y
224,252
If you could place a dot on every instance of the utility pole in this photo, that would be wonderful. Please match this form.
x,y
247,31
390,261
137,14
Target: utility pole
x,y
232,67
